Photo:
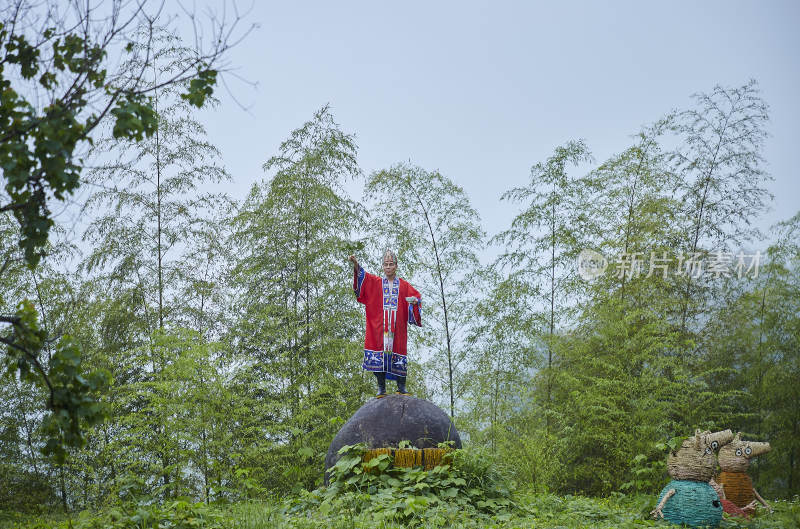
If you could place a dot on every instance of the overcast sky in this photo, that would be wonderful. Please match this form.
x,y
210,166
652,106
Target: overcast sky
x,y
483,90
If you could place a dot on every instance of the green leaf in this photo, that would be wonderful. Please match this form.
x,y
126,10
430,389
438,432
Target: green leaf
x,y
201,87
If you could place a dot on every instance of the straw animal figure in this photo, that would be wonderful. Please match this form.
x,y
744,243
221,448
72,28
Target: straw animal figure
x,y
689,499
728,506
734,460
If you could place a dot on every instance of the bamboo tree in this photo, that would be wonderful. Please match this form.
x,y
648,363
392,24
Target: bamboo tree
x,y
752,345
26,407
431,222
297,327
501,334
152,197
720,164
153,203
544,239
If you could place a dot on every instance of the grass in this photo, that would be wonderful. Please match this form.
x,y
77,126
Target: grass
x,y
534,511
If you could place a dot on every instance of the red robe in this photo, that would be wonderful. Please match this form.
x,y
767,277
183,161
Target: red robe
x,y
387,311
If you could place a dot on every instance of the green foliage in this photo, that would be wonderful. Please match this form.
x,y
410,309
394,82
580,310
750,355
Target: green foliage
x,y
65,64
24,492
135,119
390,493
429,221
628,359
648,471
536,256
753,345
37,151
152,233
201,87
145,514
533,510
235,345
72,403
298,329
169,433
73,399
37,148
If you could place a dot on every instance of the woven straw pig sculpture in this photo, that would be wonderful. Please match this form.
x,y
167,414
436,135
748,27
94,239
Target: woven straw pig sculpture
x,y
734,460
689,499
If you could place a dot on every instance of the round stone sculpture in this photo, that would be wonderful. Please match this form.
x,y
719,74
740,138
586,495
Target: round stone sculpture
x,y
384,422
695,504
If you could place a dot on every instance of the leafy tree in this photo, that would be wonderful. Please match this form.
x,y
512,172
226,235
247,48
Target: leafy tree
x,y
720,164
540,248
27,415
41,351
502,408
610,376
26,483
752,345
61,53
498,338
203,290
154,214
437,232
58,86
298,324
154,206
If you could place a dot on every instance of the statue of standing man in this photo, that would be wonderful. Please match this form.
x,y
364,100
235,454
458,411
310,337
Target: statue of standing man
x,y
391,304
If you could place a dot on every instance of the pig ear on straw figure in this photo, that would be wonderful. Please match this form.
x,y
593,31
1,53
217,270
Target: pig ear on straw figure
x,y
689,499
734,460
717,440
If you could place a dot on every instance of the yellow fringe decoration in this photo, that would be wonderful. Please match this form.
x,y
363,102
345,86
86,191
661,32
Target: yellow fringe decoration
x,y
433,457
407,457
373,453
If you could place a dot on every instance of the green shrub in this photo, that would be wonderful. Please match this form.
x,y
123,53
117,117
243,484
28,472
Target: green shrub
x,y
406,495
177,514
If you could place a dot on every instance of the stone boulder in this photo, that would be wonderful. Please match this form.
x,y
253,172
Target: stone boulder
x,y
384,422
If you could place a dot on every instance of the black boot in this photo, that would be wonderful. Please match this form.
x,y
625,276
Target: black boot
x,y
401,385
381,378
